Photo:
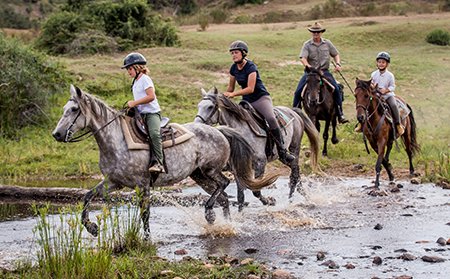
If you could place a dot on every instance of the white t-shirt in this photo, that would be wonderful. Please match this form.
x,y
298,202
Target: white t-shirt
x,y
139,87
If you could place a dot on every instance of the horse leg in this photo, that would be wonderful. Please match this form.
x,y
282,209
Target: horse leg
x,y
386,163
325,138
144,205
99,190
294,179
381,147
205,180
334,139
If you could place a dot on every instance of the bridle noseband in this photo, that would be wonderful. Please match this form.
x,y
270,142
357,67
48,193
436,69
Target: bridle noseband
x,y
210,115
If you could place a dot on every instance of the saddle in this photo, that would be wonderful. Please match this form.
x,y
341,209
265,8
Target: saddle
x,y
136,134
402,107
259,125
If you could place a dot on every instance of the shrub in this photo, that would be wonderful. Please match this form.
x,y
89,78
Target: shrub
x,y
243,2
218,16
27,79
438,37
92,42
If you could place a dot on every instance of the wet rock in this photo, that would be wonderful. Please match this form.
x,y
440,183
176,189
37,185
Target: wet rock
x,y
415,180
349,266
253,276
448,224
166,272
377,260
231,260
376,247
404,277
320,256
432,259
441,241
400,186
422,241
407,257
394,189
407,215
251,250
377,193
448,241
443,184
247,261
331,264
282,274
180,252
401,250
378,227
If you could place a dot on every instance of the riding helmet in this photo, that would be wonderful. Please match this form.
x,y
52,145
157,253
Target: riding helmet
x,y
384,55
239,45
134,58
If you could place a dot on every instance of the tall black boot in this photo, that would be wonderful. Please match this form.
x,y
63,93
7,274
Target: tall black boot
x,y
283,155
340,114
395,115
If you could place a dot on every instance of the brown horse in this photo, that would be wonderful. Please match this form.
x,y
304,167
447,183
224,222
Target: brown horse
x,y
372,115
318,104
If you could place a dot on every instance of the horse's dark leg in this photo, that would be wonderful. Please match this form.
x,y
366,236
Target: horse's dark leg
x,y
241,196
294,179
144,205
334,139
99,190
213,184
386,163
381,150
325,137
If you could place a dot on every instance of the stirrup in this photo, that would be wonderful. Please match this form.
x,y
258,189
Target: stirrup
x,y
400,129
157,168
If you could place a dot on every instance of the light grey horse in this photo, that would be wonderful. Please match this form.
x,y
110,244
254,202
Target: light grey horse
x,y
215,108
203,157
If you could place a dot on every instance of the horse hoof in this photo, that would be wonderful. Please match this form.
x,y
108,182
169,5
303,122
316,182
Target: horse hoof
x,y
92,228
334,140
210,216
270,201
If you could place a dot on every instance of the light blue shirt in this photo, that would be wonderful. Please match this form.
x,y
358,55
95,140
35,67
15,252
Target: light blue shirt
x,y
384,80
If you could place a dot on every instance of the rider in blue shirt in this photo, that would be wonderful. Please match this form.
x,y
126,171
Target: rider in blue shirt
x,y
246,74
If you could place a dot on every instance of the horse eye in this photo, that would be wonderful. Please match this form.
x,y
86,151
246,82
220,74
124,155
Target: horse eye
x,y
74,109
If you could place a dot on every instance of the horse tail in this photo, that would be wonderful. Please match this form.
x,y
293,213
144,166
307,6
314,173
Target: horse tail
x,y
241,161
313,136
415,147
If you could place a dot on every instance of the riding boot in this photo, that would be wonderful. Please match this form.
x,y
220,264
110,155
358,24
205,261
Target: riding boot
x,y
395,115
284,156
340,113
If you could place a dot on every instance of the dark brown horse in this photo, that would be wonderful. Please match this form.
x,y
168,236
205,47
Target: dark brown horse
x,y
372,115
318,104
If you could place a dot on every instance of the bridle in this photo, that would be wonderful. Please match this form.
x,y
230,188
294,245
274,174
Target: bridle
x,y
89,133
214,110
318,91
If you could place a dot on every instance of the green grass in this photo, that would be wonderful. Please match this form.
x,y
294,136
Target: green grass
x,y
422,75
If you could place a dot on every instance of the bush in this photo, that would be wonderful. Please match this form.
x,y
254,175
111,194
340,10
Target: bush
x,y
27,80
438,37
115,25
10,19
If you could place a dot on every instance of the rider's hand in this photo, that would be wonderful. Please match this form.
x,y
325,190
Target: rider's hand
x,y
338,67
131,104
229,94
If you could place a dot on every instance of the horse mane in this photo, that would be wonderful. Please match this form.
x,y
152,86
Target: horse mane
x,y
235,109
89,102
364,84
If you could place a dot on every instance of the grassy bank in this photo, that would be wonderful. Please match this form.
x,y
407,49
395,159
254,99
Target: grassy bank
x,y
422,71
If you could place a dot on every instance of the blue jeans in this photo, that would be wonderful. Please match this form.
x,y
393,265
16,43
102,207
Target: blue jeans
x,y
337,95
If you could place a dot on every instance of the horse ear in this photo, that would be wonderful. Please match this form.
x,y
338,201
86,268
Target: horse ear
x,y
216,91
72,90
203,92
307,69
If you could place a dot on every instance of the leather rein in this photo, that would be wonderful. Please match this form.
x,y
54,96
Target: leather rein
x,y
216,109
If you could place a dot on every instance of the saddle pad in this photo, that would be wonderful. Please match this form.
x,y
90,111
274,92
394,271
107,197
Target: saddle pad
x,y
172,135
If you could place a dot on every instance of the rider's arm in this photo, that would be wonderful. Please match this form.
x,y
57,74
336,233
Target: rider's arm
x,y
231,84
304,62
337,60
250,86
145,100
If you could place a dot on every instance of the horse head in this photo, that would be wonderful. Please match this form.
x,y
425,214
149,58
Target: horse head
x,y
313,83
364,94
208,109
74,116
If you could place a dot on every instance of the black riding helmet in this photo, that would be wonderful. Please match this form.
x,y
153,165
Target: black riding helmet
x,y
384,55
239,45
134,58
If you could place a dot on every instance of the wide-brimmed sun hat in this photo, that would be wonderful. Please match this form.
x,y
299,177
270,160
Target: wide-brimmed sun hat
x,y
316,28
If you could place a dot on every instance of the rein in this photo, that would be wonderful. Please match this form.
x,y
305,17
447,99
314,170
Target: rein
x,y
83,136
216,109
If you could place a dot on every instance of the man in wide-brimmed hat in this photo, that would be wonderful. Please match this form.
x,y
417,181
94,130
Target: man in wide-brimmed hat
x,y
316,53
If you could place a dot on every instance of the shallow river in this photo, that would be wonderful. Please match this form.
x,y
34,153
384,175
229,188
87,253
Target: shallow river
x,y
336,218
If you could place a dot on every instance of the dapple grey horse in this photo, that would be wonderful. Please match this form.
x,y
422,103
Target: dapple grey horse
x,y
203,157
215,108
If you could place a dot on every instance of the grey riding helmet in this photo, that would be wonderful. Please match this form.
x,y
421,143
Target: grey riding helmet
x,y
134,58
239,45
384,55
